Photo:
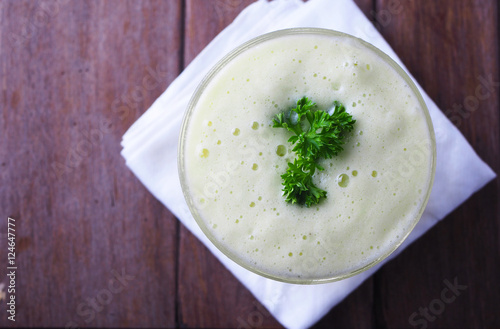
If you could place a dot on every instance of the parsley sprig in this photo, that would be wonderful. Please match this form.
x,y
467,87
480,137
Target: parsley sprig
x,y
318,134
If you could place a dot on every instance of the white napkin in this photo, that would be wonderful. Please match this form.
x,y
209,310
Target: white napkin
x,y
150,150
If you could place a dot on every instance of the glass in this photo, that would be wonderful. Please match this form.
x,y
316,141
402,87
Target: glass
x,y
192,105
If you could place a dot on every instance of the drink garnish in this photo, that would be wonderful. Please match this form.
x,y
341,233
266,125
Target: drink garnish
x,y
318,134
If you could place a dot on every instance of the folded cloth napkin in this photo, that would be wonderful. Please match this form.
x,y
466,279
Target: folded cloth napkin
x,y
150,150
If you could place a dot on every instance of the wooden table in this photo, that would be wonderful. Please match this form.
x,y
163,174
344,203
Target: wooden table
x,y
95,248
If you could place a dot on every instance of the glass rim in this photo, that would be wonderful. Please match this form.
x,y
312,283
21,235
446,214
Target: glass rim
x,y
192,105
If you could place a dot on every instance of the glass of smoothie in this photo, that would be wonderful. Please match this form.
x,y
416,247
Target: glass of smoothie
x,y
231,158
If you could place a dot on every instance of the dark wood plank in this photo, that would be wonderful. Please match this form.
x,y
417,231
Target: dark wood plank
x,y
205,19
209,295
74,77
446,45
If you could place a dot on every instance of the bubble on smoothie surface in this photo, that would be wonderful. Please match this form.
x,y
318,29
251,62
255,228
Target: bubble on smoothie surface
x,y
281,150
343,180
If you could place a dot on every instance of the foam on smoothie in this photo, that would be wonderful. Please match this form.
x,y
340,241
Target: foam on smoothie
x,y
234,158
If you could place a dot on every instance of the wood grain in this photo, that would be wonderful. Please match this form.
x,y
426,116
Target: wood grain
x,y
72,82
446,45
96,249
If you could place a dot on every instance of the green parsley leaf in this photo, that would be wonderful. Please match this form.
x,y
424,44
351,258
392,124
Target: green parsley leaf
x,y
298,185
319,135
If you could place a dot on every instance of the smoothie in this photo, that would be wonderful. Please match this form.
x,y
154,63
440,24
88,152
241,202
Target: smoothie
x,y
231,158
